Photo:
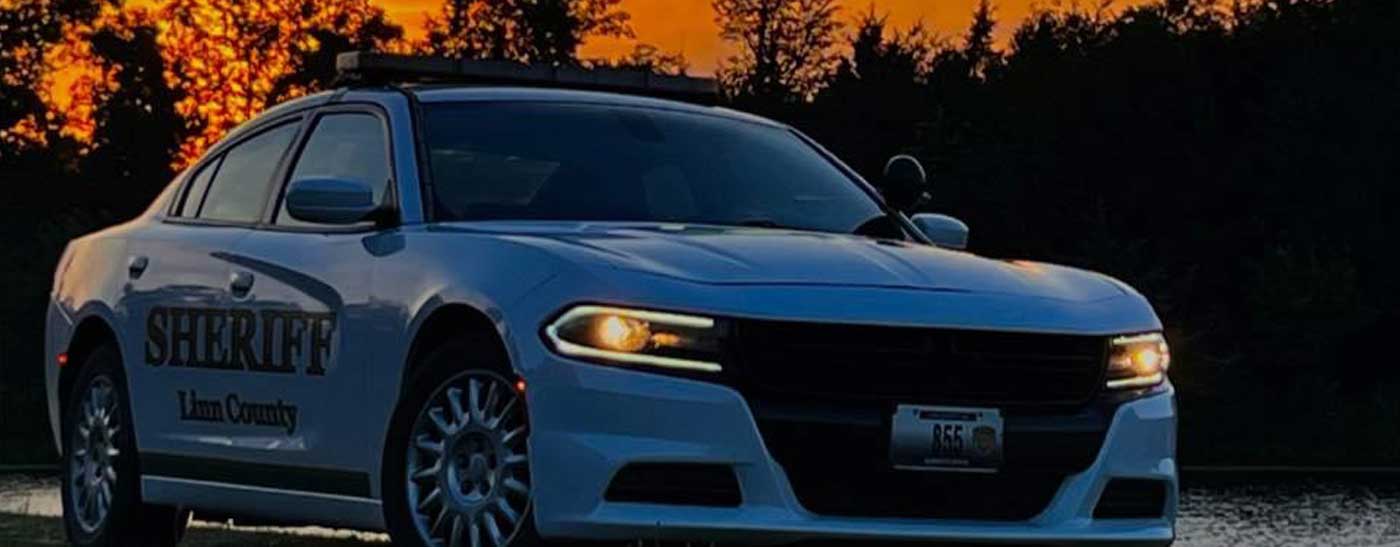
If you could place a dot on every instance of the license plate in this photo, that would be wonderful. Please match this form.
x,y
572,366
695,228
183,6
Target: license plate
x,y
946,437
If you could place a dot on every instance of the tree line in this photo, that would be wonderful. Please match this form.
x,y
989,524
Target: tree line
x,y
1234,161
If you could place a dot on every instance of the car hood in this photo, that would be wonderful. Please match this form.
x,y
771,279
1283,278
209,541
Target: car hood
x,y
757,256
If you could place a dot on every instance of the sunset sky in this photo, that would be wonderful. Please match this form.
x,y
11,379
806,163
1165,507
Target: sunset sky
x,y
675,26
688,26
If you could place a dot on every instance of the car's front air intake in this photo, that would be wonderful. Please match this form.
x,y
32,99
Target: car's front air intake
x,y
708,485
1132,499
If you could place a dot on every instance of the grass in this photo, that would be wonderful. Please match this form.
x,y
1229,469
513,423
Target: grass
x,y
34,531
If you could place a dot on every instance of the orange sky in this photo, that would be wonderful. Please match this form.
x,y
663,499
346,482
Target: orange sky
x,y
688,26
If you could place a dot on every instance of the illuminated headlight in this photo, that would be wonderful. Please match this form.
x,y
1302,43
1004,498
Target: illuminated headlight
x,y
638,337
1137,361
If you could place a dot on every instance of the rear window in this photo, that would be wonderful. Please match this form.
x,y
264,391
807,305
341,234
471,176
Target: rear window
x,y
194,193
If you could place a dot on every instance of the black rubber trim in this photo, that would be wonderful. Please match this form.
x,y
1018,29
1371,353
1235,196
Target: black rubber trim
x,y
282,477
421,154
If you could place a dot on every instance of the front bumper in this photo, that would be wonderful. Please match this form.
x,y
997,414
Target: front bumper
x,y
589,421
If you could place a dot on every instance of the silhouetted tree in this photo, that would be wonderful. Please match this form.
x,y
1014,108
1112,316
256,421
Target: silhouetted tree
x,y
137,131
648,58
786,49
313,68
36,162
978,50
878,99
534,31
231,59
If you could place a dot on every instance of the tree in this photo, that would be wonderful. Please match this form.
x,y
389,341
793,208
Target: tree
x,y
786,49
27,31
878,98
979,51
879,63
136,129
530,31
231,59
313,61
648,58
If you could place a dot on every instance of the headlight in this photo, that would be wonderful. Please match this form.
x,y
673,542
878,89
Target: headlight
x,y
638,337
1137,361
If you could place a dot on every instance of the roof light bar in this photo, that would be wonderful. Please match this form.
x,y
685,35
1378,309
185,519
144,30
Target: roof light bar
x,y
368,67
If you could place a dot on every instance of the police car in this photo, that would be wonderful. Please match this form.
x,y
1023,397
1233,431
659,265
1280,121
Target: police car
x,y
497,309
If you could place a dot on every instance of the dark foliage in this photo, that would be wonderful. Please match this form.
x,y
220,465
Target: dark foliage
x,y
37,172
1234,162
137,131
1235,165
785,49
314,68
532,31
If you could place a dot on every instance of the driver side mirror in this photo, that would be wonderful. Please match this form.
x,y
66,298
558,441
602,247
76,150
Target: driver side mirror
x,y
330,201
905,184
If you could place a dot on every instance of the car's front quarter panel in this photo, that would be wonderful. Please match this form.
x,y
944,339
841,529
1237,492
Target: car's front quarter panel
x,y
420,270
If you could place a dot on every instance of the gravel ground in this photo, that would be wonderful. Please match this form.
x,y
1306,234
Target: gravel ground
x,y
1294,512
1291,513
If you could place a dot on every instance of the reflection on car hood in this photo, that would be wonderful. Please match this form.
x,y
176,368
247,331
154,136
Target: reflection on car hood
x,y
741,255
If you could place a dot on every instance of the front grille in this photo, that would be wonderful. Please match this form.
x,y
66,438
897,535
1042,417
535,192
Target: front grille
x,y
918,365
823,395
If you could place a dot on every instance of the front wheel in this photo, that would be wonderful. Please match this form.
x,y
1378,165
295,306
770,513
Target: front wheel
x,y
457,469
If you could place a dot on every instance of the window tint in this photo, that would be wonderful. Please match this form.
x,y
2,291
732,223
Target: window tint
x,y
240,188
194,192
347,145
553,161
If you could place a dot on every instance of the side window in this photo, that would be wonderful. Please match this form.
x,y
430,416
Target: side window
x,y
194,191
347,145
240,188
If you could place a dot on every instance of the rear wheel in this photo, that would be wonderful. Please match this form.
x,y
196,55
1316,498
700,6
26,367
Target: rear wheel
x,y
457,467
101,498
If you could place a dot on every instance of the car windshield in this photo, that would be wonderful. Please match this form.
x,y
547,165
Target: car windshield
x,y
589,162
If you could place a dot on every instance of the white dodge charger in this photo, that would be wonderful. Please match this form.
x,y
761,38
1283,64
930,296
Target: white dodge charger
x,y
493,311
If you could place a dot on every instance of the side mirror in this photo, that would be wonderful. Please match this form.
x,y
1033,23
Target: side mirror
x,y
905,184
330,200
943,230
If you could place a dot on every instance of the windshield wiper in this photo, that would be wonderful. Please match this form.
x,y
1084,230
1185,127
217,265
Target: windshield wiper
x,y
765,223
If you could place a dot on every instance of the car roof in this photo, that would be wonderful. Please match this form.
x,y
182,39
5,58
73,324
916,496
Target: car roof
x,y
473,93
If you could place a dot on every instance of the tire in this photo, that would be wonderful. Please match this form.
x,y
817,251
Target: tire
x,y
454,461
101,496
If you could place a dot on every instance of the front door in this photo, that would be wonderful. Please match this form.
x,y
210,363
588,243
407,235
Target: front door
x,y
176,288
306,287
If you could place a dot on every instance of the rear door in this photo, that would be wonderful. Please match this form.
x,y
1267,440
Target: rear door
x,y
173,279
188,338
309,285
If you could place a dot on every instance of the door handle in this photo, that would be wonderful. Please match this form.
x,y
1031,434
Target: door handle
x,y
137,266
239,283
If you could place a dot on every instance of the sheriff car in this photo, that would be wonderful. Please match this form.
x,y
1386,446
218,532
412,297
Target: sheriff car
x,y
496,309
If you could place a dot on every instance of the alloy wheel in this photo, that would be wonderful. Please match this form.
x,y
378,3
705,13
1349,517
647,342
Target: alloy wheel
x,y
93,455
468,467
